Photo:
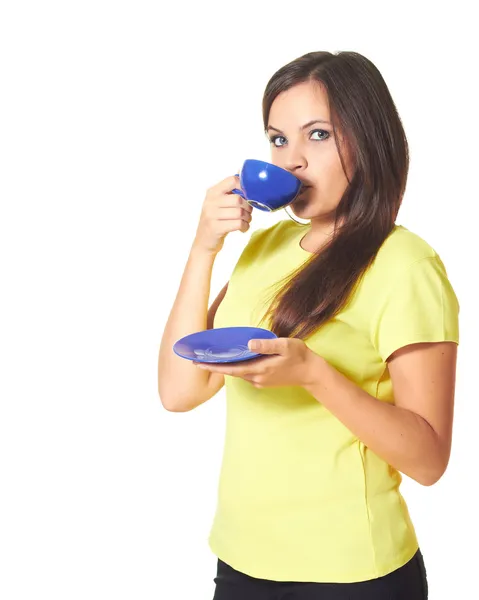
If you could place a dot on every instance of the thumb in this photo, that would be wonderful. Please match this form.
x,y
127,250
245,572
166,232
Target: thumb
x,y
272,346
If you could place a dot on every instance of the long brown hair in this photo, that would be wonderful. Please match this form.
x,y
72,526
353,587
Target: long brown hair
x,y
362,109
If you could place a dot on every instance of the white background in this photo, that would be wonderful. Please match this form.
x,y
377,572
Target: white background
x,y
115,117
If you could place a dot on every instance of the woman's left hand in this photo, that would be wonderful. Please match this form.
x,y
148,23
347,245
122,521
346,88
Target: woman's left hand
x,y
291,363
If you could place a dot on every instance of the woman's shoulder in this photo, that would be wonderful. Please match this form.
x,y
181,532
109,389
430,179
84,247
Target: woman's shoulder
x,y
275,233
404,261
402,248
279,226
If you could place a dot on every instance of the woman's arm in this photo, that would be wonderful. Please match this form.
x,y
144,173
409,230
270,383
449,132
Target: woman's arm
x,y
181,387
414,435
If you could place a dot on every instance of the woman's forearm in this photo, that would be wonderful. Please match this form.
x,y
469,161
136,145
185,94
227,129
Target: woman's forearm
x,y
399,436
178,379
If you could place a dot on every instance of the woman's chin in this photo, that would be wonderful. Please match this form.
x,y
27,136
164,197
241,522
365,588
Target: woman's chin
x,y
301,209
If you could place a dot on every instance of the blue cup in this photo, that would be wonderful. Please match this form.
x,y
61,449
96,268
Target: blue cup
x,y
267,186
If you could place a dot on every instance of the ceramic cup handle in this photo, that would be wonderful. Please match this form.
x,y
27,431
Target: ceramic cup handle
x,y
239,192
253,203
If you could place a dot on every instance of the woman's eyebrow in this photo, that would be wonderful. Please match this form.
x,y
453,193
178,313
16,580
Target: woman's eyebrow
x,y
305,126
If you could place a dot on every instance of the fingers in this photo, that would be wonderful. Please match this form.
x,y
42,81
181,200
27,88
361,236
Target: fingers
x,y
225,369
222,195
223,212
227,213
246,369
230,200
227,185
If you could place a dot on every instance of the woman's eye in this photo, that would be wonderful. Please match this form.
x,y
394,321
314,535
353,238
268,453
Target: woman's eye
x,y
321,131
274,139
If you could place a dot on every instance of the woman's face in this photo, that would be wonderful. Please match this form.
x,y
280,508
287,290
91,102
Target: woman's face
x,y
302,142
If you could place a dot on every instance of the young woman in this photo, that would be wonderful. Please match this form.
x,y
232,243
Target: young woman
x,y
359,386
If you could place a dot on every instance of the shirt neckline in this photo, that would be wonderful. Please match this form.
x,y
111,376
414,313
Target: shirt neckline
x,y
302,230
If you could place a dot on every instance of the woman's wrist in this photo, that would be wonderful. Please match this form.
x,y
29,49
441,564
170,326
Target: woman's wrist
x,y
314,367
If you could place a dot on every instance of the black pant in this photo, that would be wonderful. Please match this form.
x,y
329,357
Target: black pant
x,y
406,583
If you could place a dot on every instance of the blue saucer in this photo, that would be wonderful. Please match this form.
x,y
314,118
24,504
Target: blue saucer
x,y
221,345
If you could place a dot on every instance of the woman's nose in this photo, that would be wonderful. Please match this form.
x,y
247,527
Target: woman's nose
x,y
294,161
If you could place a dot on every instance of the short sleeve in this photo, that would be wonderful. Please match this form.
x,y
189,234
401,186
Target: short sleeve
x,y
252,241
421,306
255,235
247,253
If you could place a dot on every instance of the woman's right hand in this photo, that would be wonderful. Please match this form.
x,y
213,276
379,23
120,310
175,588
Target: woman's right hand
x,y
222,212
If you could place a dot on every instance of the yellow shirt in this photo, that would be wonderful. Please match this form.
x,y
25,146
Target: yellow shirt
x,y
300,497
